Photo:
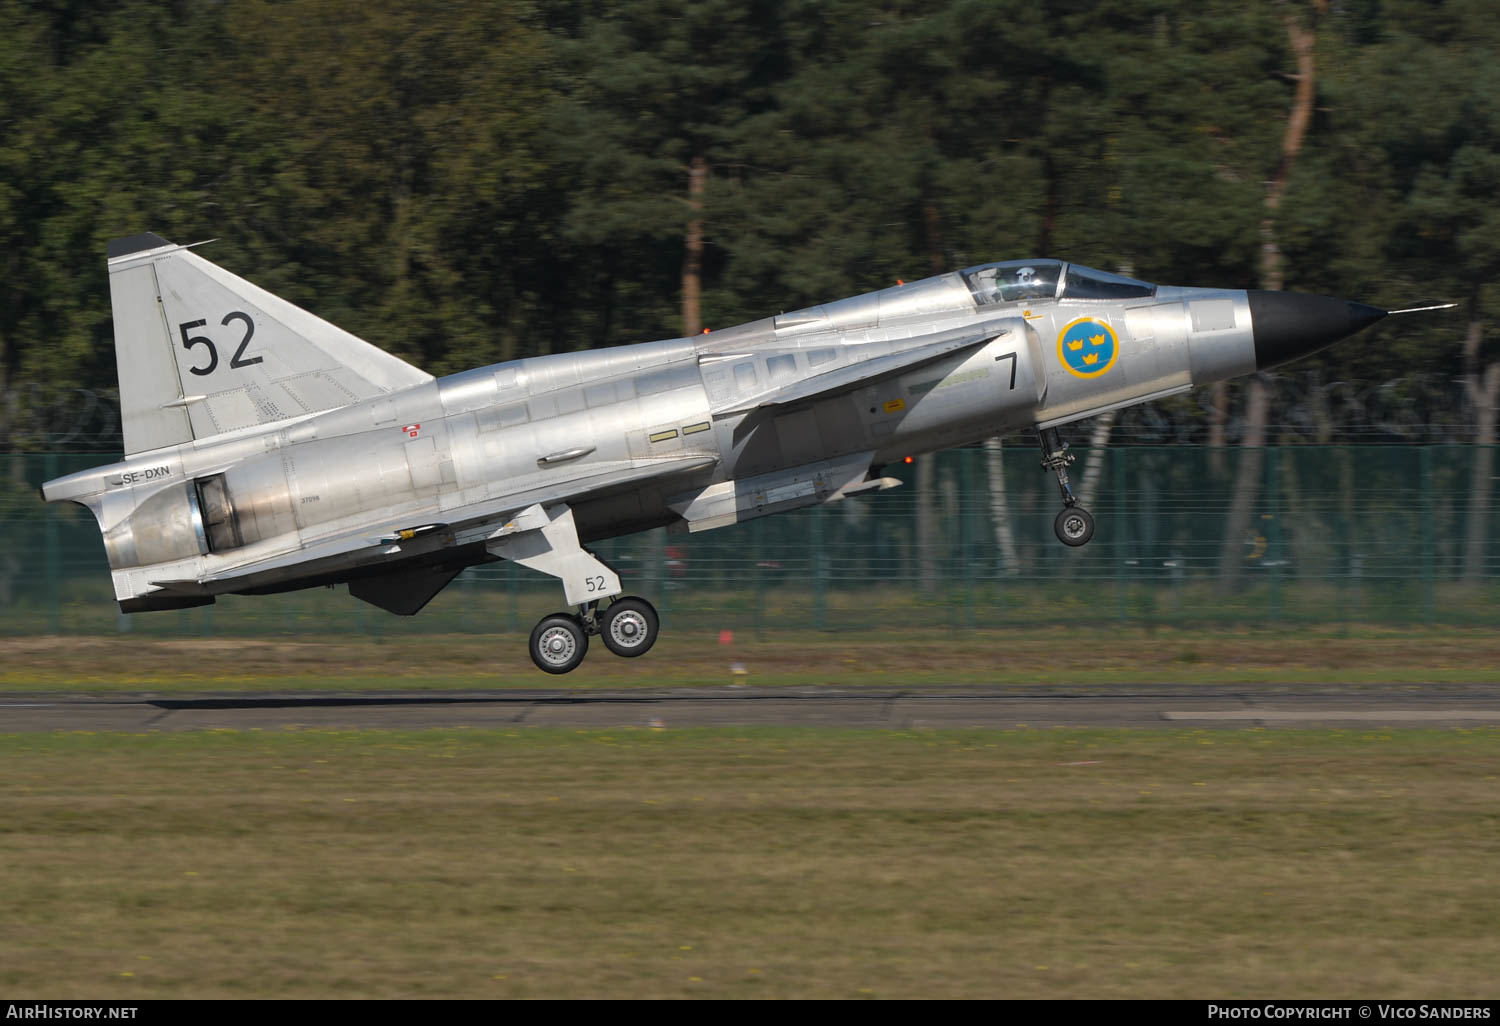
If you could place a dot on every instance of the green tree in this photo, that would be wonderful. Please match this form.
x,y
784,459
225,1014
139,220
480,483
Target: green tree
x,y
112,127
398,200
653,134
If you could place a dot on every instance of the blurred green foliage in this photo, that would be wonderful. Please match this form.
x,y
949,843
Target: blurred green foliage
x,y
464,183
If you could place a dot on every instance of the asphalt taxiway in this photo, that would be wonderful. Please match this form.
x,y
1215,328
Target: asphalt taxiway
x,y
1008,706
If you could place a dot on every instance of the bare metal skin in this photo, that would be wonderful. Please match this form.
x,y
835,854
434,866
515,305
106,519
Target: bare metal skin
x,y
267,450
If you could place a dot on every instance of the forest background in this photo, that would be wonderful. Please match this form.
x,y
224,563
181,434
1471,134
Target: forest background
x,y
466,183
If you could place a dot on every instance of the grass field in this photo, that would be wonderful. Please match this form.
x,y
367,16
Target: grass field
x,y
751,863
898,657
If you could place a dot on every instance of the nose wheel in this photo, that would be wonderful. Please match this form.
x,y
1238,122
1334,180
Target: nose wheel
x,y
1074,526
629,627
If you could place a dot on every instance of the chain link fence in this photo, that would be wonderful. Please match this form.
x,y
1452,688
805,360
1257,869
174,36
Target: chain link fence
x,y
1398,536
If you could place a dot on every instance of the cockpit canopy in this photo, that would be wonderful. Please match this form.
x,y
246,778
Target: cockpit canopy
x,y
1086,283
1014,281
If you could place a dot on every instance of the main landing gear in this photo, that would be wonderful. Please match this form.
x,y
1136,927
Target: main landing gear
x,y
545,538
1074,526
629,627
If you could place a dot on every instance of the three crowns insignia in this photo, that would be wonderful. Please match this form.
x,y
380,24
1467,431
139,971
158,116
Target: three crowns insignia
x,y
1100,344
1089,359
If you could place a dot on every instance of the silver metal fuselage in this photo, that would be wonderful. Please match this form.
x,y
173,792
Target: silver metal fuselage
x,y
500,437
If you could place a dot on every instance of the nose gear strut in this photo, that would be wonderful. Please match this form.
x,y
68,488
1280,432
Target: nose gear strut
x,y
1074,526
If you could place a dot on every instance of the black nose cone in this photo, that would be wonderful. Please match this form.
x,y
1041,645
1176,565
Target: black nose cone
x,y
1290,325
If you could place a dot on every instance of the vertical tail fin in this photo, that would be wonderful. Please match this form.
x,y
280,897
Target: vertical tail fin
x,y
201,351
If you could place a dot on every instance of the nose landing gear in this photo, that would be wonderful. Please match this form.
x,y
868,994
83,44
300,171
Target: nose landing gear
x,y
1074,526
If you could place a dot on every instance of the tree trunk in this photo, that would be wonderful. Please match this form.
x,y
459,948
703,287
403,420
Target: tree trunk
x,y
1050,203
7,402
1098,445
1272,278
927,518
1005,535
934,238
692,261
927,525
1218,420
1272,261
1472,339
1246,485
1481,481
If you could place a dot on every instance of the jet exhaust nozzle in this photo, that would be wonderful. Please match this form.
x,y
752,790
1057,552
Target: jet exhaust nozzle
x,y
1290,325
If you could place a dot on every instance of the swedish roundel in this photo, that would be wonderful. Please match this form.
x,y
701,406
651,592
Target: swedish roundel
x,y
1087,347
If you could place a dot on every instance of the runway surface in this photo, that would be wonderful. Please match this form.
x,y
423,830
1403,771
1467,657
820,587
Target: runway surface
x,y
1134,705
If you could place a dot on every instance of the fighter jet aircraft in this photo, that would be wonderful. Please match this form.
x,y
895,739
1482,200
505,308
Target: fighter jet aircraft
x,y
267,450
